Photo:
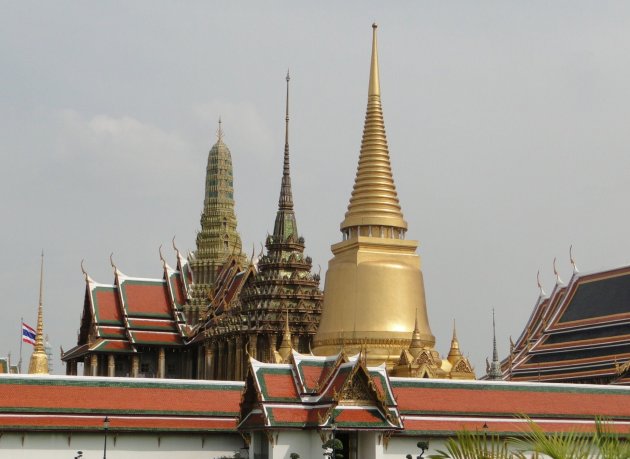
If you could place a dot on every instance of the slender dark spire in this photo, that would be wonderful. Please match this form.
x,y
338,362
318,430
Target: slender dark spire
x,y
286,195
495,354
285,224
494,372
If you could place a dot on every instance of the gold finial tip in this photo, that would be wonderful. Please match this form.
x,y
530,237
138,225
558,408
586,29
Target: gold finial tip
x,y
288,76
374,25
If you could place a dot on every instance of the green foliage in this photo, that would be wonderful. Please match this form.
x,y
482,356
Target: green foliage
x,y
338,448
610,444
571,445
237,455
604,443
294,456
477,445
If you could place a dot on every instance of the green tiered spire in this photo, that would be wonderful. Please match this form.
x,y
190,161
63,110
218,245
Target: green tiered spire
x,y
218,238
284,290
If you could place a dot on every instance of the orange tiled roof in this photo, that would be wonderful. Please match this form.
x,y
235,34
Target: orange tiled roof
x,y
78,403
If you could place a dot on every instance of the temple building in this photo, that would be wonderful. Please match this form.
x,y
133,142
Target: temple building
x,y
253,308
218,238
580,333
216,310
135,327
374,292
206,317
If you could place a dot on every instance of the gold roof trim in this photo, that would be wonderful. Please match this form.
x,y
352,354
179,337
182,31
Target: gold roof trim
x,y
374,200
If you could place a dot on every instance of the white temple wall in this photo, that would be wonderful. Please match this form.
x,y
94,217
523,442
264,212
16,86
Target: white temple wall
x,y
306,443
47,445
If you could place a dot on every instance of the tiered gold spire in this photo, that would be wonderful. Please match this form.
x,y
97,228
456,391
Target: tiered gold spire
x,y
374,200
454,354
374,286
416,341
39,359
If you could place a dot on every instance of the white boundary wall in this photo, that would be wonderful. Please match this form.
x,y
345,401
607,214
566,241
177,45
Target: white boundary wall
x,y
142,445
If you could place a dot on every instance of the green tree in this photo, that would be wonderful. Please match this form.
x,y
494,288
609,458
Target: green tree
x,y
604,443
333,445
477,445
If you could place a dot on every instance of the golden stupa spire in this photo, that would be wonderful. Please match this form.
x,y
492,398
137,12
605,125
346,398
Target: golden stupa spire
x,y
374,284
39,359
454,353
374,201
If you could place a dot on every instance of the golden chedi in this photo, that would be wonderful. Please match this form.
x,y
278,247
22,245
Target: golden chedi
x,y
39,360
374,289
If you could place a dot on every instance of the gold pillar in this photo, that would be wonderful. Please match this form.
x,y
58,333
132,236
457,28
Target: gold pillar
x,y
111,366
161,373
207,374
94,365
135,366
253,339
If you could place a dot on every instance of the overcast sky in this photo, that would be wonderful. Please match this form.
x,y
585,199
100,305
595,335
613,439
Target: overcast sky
x,y
507,125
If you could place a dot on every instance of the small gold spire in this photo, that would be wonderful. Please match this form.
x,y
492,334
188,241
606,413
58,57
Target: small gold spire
x,y
454,353
374,88
374,200
39,359
285,346
416,341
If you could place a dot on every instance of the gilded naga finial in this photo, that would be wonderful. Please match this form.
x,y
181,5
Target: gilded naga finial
x,y
162,259
540,288
111,262
555,272
85,274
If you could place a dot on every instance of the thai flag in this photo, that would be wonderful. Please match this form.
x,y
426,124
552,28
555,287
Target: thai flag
x,y
28,334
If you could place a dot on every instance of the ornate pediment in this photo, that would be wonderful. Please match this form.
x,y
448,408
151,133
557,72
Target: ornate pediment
x,y
356,391
462,366
425,358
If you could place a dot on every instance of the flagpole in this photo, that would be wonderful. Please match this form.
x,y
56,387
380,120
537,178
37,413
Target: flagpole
x,y
20,361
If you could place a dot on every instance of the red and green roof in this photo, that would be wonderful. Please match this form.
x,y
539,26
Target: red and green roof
x,y
80,403
276,395
579,334
431,406
132,312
